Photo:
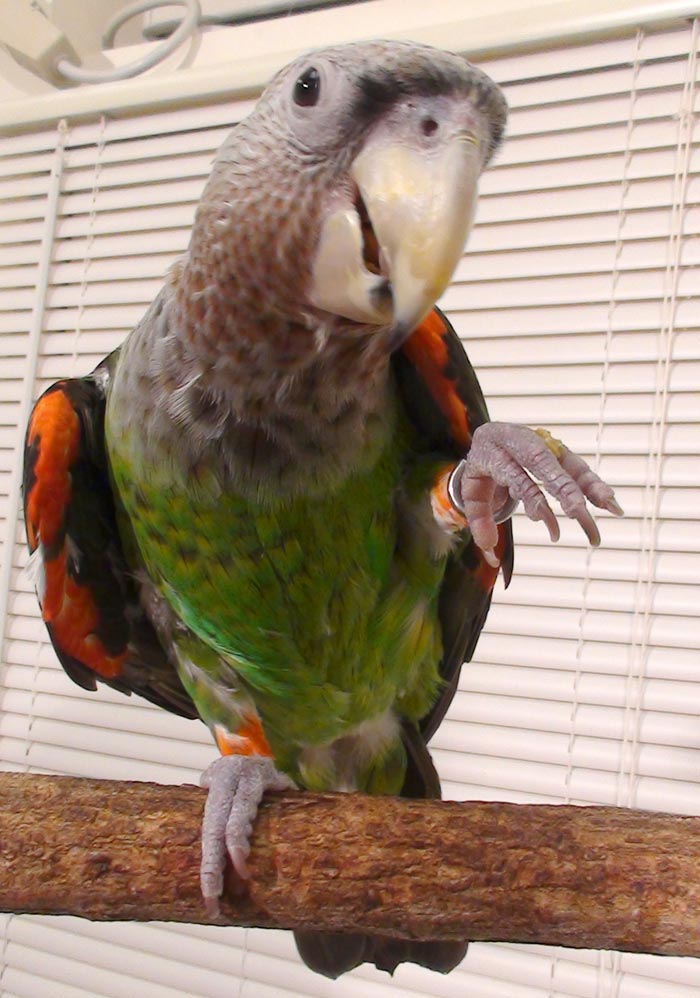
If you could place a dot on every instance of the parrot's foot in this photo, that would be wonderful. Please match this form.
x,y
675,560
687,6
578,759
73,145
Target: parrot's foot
x,y
236,786
496,474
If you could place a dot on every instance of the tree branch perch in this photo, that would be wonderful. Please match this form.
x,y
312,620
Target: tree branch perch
x,y
594,877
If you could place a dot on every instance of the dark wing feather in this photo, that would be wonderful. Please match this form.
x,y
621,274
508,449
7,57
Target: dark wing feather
x,y
88,597
444,400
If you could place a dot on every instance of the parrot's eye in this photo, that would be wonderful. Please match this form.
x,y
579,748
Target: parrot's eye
x,y
307,88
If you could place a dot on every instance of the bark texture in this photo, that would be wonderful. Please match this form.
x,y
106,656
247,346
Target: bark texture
x,y
575,876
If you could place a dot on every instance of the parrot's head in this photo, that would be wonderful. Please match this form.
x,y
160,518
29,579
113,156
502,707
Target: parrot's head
x,y
344,201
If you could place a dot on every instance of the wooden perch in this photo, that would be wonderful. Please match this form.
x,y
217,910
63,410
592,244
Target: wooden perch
x,y
595,877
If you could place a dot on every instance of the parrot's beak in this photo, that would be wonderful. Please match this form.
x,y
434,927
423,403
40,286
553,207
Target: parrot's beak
x,y
388,257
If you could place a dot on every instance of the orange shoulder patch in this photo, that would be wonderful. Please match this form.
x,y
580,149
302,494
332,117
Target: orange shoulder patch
x,y
68,606
426,349
70,610
54,430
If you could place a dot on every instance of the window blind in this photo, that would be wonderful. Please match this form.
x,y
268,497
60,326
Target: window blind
x,y
577,300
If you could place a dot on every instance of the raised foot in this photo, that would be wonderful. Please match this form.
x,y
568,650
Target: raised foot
x,y
236,786
497,472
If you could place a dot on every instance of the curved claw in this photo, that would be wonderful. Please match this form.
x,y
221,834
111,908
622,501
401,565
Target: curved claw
x,y
236,786
507,455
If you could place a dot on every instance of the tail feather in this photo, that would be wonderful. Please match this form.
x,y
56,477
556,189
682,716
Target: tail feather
x,y
335,953
421,780
441,955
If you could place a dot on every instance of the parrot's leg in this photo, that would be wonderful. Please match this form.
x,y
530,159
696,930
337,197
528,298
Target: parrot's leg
x,y
497,472
236,786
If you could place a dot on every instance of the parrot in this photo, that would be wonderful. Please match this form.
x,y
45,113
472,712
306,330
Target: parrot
x,y
280,505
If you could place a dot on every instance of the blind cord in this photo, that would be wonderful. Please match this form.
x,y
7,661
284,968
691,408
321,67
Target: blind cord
x,y
14,505
644,590
604,393
641,627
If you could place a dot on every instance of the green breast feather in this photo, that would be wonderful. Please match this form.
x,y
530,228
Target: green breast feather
x,y
322,606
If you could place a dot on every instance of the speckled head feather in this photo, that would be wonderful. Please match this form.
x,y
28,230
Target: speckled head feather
x,y
244,337
277,174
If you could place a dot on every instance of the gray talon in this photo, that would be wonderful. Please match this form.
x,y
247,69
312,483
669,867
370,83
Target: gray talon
x,y
506,455
236,786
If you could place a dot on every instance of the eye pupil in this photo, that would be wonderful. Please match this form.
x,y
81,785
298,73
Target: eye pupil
x,y
307,88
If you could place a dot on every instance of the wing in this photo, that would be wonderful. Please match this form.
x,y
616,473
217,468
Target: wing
x,y
89,599
444,400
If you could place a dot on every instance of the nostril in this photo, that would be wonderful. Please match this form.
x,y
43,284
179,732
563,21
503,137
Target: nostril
x,y
429,126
